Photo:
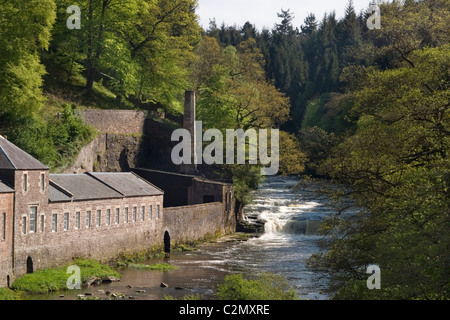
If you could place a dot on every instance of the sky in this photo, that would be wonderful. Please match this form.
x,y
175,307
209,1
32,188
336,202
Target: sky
x,y
263,13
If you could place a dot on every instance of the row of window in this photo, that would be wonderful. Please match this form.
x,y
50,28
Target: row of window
x,y
25,182
109,218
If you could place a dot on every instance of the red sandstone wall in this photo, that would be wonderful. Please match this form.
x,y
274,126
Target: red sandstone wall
x,y
191,223
6,206
50,249
114,121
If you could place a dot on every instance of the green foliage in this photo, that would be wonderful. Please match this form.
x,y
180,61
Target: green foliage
x,y
314,113
396,166
233,91
51,280
55,141
317,144
292,159
265,287
154,267
140,49
24,29
68,134
246,178
8,294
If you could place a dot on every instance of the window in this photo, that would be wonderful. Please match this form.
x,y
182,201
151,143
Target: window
x,y
77,220
33,216
42,182
157,211
126,215
24,225
99,218
66,221
108,217
25,182
3,226
42,223
88,219
117,215
55,223
150,209
134,213
143,213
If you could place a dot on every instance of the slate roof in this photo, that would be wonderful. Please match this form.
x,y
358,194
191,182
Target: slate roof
x,y
12,157
80,187
95,186
128,184
57,195
4,188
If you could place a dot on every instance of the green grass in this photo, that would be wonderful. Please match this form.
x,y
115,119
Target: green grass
x,y
153,267
51,280
8,294
267,286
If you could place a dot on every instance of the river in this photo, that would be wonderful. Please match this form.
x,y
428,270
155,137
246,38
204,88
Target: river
x,y
291,223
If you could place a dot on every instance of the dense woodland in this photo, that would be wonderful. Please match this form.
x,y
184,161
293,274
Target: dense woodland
x,y
365,109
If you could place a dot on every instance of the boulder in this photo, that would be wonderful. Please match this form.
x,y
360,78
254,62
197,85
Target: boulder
x,y
110,279
94,281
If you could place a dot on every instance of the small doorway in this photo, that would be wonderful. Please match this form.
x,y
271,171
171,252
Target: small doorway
x,y
166,242
29,265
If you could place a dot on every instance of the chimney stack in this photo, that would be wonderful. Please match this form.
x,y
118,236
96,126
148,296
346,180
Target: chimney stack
x,y
189,125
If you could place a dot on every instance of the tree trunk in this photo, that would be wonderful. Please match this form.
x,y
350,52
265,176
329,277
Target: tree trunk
x,y
90,68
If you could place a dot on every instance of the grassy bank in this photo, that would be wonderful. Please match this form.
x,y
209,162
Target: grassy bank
x,y
8,294
51,280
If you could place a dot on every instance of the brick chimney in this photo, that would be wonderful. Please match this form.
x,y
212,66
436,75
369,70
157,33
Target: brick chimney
x,y
189,124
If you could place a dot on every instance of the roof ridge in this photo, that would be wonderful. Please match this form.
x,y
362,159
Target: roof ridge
x,y
62,189
6,155
17,158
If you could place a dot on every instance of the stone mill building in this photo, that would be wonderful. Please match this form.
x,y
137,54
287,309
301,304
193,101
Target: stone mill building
x,y
46,219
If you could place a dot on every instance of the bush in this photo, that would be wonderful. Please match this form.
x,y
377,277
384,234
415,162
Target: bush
x,y
266,287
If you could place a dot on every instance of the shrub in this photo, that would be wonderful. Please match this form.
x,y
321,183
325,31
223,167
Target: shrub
x,y
266,287
8,294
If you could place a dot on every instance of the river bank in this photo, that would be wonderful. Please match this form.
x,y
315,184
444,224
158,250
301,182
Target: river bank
x,y
291,219
190,276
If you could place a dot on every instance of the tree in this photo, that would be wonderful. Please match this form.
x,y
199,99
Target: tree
x,y
25,28
233,92
310,24
292,159
396,169
139,49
